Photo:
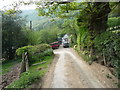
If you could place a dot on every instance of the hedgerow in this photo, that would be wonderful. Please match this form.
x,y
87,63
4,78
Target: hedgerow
x,y
35,53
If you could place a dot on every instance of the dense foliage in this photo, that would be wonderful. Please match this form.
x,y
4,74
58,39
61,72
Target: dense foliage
x,y
108,45
113,21
12,34
35,53
16,34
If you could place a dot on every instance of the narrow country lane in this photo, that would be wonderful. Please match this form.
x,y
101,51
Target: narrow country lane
x,y
70,71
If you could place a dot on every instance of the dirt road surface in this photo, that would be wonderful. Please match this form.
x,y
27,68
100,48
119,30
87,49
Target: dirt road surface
x,y
68,70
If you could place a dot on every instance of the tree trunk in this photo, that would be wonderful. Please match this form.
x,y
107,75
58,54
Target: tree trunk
x,y
23,66
98,21
24,63
99,17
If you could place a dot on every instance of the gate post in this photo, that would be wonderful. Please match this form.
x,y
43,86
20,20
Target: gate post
x,y
24,64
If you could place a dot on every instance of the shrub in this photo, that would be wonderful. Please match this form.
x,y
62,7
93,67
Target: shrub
x,y
40,56
35,53
48,52
108,43
42,47
114,21
24,49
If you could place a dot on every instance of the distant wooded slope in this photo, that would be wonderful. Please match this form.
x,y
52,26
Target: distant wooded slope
x,y
37,21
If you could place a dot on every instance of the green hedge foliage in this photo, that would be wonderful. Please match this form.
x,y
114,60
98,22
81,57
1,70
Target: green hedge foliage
x,y
114,21
105,45
35,53
108,43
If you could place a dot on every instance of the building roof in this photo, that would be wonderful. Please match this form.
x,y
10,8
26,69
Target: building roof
x,y
65,36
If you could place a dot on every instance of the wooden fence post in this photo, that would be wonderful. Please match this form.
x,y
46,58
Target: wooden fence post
x,y
24,63
26,60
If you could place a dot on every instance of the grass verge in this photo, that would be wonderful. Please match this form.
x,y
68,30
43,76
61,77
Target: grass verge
x,y
35,73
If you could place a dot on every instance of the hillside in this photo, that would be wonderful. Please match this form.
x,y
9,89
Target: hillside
x,y
37,21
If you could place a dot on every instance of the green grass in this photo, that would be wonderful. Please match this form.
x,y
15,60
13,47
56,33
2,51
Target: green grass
x,y
31,76
47,59
8,64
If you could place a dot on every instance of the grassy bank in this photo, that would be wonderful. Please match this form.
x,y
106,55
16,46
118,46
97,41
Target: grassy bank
x,y
35,72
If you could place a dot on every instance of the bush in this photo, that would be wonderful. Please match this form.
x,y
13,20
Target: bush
x,y
35,53
114,21
108,43
40,56
48,52
29,49
42,47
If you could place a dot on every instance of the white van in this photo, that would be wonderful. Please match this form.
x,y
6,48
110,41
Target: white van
x,y
65,43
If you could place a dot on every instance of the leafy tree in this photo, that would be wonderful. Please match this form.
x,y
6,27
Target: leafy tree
x,y
48,34
12,35
91,17
92,14
72,29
